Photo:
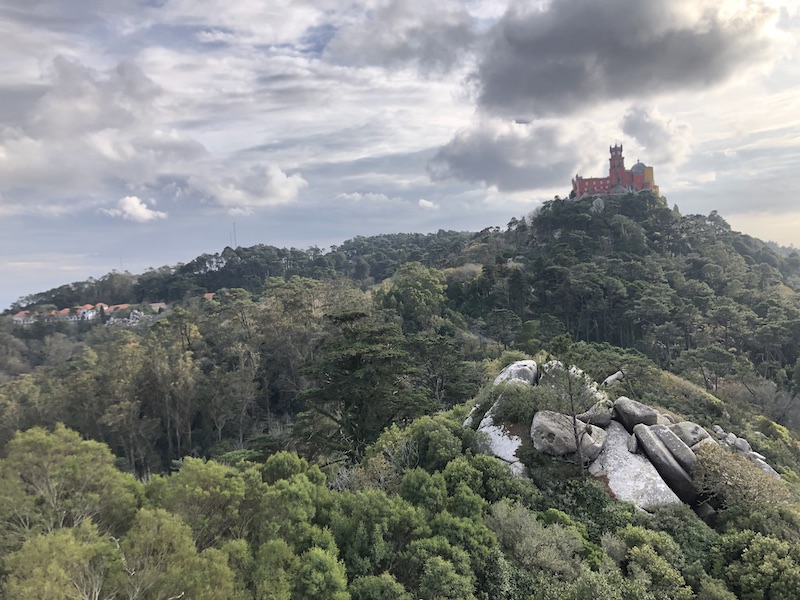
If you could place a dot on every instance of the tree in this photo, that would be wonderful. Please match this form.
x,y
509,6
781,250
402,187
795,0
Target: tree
x,y
382,587
363,385
417,294
440,581
274,571
50,481
320,577
69,564
161,561
206,495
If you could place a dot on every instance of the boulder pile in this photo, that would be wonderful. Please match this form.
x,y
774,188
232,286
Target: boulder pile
x,y
644,456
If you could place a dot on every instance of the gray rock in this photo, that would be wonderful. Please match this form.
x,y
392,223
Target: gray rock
x,y
501,443
676,477
522,370
633,444
755,456
552,433
706,512
631,413
630,477
730,439
468,422
612,379
679,450
764,466
599,414
718,430
690,433
664,420
760,435
709,441
742,445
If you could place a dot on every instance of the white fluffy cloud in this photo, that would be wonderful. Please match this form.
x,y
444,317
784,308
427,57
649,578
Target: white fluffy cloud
x,y
427,204
368,197
256,187
132,208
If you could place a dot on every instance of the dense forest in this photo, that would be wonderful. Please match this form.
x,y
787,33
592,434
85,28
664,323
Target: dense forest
x,y
299,435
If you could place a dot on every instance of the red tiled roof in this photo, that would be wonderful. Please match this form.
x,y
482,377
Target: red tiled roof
x,y
85,307
209,296
21,314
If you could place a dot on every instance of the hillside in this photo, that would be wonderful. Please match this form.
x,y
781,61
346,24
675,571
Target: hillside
x,y
364,361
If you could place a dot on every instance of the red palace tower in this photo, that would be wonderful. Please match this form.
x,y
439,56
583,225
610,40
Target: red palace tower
x,y
619,181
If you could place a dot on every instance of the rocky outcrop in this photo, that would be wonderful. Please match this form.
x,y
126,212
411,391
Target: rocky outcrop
x,y
652,466
524,371
599,414
742,447
630,477
680,451
631,413
689,433
665,463
554,434
500,442
612,379
552,373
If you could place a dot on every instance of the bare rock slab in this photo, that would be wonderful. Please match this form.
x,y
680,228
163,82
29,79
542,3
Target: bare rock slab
x,y
630,477
502,444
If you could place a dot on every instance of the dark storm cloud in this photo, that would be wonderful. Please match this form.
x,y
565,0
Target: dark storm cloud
x,y
509,156
575,53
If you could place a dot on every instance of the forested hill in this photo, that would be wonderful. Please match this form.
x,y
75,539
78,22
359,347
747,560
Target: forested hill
x,y
365,259
301,434
623,269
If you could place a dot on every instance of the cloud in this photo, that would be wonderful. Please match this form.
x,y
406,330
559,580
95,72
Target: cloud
x,y
427,204
510,155
401,32
132,208
369,197
574,53
80,99
88,134
254,187
666,141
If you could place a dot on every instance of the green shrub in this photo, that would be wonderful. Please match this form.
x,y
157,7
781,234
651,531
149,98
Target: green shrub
x,y
381,587
519,402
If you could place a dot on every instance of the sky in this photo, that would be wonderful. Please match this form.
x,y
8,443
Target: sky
x,y
139,133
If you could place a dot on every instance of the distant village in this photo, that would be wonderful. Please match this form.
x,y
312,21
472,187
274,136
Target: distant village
x,y
89,312
109,314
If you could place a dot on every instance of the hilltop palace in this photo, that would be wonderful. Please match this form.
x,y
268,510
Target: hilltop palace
x,y
619,181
